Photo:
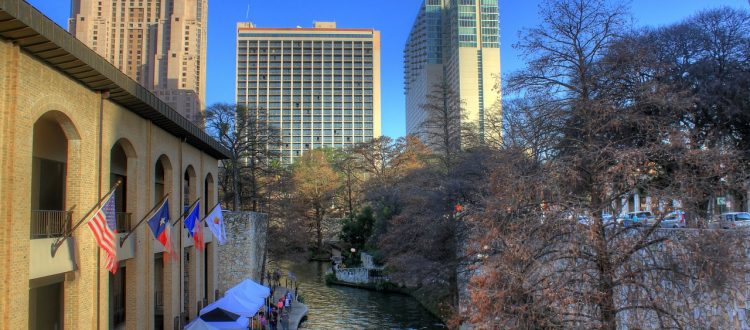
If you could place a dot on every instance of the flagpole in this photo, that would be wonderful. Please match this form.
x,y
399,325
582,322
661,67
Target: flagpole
x,y
209,212
58,242
149,214
185,213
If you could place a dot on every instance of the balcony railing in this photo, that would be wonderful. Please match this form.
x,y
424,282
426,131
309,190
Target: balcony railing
x,y
123,221
159,302
47,223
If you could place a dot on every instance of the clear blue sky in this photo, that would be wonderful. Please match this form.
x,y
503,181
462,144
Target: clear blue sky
x,y
392,17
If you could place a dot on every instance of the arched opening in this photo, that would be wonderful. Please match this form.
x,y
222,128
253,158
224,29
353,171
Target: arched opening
x,y
53,135
208,196
189,192
120,157
189,196
49,177
162,186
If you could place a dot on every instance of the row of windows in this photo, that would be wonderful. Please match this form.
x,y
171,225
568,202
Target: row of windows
x,y
308,106
274,73
329,125
305,35
307,91
326,78
327,97
289,134
307,58
367,69
305,43
357,118
299,87
296,103
314,114
288,84
314,65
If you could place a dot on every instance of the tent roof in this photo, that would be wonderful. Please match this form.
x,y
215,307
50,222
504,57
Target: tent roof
x,y
244,299
219,315
198,324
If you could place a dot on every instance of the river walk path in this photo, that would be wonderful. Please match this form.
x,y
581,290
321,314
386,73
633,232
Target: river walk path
x,y
290,319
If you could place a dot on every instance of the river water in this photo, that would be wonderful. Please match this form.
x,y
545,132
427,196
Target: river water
x,y
339,307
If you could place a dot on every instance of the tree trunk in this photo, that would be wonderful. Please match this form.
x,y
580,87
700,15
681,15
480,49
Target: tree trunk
x,y
318,229
349,193
236,183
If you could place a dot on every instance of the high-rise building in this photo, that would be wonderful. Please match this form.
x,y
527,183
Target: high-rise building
x,y
454,42
317,87
159,43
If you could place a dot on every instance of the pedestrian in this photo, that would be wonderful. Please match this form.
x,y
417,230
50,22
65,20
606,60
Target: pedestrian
x,y
288,302
277,277
274,321
280,304
263,321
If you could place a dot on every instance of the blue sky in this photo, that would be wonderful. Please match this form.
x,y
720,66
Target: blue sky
x,y
392,17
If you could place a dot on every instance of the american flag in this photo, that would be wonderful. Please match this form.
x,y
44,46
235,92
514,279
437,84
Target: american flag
x,y
106,236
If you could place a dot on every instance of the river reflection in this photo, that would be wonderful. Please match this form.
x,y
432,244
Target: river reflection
x,y
337,307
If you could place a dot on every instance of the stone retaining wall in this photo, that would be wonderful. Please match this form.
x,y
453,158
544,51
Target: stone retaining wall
x,y
242,256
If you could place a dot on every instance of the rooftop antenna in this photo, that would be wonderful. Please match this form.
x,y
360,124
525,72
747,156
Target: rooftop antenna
x,y
247,13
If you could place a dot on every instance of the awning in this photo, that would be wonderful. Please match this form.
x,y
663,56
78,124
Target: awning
x,y
244,299
242,323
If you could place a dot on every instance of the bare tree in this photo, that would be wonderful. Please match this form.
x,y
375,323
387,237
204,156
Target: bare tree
x,y
547,255
250,142
441,129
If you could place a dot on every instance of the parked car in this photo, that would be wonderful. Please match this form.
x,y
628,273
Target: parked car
x,y
732,220
640,218
675,219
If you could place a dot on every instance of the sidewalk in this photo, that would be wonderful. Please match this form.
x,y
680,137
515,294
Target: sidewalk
x,y
290,320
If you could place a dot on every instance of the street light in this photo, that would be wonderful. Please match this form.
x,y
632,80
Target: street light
x,y
353,250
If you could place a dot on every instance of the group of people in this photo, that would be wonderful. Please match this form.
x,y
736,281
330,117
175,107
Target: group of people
x,y
275,316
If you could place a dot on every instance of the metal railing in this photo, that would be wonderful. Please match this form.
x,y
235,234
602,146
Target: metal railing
x,y
123,221
49,223
159,302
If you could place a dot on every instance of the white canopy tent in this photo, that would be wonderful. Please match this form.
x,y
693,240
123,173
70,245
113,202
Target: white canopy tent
x,y
244,299
198,324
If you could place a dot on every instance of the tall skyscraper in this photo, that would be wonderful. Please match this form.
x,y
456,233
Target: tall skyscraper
x,y
455,42
317,87
159,43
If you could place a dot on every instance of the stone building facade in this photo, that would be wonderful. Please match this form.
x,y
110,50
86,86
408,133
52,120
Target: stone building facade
x,y
71,124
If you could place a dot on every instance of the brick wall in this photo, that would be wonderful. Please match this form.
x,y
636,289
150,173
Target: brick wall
x,y
30,89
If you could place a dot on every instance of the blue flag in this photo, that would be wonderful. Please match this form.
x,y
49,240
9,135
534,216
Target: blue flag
x,y
159,224
192,219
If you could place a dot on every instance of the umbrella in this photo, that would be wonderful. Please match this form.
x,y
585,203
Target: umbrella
x,y
219,315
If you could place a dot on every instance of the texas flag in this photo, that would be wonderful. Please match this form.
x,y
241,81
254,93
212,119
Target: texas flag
x,y
193,225
159,224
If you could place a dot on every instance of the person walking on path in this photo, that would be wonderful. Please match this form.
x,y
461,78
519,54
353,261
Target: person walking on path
x,y
274,321
288,301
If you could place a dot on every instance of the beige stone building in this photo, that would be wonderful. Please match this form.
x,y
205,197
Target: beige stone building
x,y
455,42
159,43
71,124
317,87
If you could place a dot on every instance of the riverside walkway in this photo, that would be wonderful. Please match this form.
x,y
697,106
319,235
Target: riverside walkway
x,y
291,318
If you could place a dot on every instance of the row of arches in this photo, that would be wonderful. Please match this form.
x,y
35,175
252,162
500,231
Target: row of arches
x,y
55,136
56,168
